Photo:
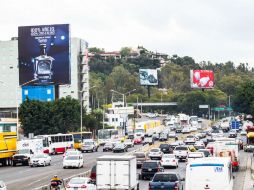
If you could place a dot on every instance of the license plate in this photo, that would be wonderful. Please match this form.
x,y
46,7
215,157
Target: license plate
x,y
75,188
149,170
162,186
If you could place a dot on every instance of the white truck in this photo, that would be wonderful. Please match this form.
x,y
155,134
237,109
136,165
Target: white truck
x,y
116,173
26,149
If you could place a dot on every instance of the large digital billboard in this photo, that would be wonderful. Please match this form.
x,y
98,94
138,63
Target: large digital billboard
x,y
44,54
148,77
45,93
201,79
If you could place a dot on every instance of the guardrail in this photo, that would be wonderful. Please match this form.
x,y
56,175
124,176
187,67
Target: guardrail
x,y
65,181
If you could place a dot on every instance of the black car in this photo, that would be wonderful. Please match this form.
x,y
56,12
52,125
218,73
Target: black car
x,y
120,147
108,147
166,148
149,168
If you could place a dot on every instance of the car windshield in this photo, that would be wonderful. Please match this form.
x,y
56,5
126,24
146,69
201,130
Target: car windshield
x,y
78,180
196,155
181,148
24,151
206,152
154,150
108,144
119,146
165,178
190,136
72,152
39,156
72,158
150,164
128,140
140,155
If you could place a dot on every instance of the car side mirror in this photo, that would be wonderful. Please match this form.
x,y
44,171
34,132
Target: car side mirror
x,y
183,179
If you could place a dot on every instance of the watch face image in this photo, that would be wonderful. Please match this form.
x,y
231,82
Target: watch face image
x,y
44,67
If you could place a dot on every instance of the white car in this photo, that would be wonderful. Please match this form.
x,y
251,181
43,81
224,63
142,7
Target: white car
x,y
193,128
243,132
71,152
194,155
89,146
2,185
186,130
80,183
169,160
73,161
190,139
172,134
181,152
40,160
129,143
155,153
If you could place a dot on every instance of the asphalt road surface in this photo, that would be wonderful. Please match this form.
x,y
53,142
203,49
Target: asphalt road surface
x,y
27,178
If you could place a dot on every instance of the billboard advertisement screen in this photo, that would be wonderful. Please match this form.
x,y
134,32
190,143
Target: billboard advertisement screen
x,y
148,77
44,54
201,79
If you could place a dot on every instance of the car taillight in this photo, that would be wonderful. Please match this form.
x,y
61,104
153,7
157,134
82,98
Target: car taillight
x,y
174,160
83,186
176,187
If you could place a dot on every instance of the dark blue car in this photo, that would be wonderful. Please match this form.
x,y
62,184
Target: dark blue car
x,y
166,181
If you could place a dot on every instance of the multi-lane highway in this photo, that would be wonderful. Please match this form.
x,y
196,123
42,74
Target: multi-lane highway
x,y
26,178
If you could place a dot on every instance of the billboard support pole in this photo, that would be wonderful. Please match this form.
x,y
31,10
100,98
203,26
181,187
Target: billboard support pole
x,y
149,92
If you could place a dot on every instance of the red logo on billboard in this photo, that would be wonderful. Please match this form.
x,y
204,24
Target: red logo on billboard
x,y
202,79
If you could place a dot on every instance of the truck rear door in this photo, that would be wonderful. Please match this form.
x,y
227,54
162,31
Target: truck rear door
x,y
103,174
122,174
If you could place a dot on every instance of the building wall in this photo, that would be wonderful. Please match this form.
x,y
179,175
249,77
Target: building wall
x,y
10,92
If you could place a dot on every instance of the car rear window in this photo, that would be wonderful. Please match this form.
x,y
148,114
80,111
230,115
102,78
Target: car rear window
x,y
164,146
181,148
150,165
190,136
154,150
165,178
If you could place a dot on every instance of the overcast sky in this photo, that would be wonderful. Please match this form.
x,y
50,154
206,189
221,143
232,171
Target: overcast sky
x,y
215,30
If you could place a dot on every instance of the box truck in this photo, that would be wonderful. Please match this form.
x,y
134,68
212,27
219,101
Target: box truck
x,y
116,173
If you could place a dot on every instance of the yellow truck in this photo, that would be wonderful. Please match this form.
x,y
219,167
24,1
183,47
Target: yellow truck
x,y
8,141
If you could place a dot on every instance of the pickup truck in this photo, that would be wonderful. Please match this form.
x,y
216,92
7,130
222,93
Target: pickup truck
x,y
181,152
166,181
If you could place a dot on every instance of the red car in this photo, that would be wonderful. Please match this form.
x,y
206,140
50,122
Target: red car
x,y
137,140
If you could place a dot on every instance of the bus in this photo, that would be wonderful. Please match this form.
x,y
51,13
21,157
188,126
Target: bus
x,y
79,137
57,143
8,142
107,135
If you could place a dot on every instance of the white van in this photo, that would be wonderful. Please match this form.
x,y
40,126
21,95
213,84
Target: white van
x,y
216,174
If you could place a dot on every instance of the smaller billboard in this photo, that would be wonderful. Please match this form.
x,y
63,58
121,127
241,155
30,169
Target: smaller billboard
x,y
41,93
201,79
148,77
203,106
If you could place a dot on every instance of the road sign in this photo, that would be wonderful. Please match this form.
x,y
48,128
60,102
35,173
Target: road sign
x,y
235,124
203,106
218,109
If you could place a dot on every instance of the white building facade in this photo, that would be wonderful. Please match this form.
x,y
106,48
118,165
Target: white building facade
x,y
10,91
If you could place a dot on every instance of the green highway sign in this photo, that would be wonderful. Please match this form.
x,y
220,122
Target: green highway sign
x,y
222,109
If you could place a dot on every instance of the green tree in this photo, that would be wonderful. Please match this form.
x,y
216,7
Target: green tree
x,y
244,98
125,51
96,50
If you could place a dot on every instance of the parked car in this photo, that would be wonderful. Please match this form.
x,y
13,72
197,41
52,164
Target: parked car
x,y
149,168
108,147
166,148
89,146
176,143
2,185
129,143
186,130
155,153
169,160
120,147
40,160
81,183
166,180
73,161
141,157
156,136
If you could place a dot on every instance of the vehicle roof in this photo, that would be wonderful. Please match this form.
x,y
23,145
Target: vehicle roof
x,y
212,160
166,173
115,157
